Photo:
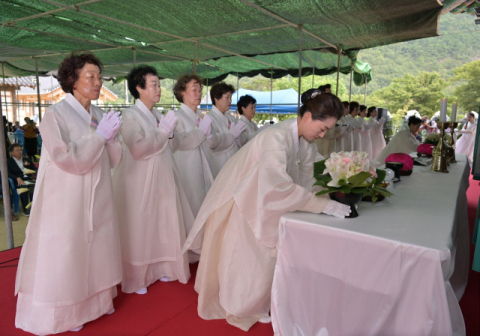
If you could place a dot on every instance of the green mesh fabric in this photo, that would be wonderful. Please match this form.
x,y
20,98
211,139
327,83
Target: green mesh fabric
x,y
169,35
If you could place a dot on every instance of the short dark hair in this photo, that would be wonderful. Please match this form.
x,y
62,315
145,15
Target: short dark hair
x,y
181,85
345,104
13,146
70,67
244,101
137,76
327,86
353,105
321,88
219,89
370,110
362,108
413,120
471,114
322,106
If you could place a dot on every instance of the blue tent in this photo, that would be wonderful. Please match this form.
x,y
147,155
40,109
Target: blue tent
x,y
283,101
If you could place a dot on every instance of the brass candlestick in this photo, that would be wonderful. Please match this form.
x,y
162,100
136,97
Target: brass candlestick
x,y
451,143
440,152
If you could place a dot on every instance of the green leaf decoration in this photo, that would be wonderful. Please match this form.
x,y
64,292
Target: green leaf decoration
x,y
319,168
380,176
357,180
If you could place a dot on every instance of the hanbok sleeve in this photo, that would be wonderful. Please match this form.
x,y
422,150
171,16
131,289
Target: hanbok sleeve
x,y
141,143
114,149
187,141
74,157
220,141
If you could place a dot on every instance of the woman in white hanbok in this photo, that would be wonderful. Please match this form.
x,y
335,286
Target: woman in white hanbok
x,y
151,204
342,129
466,143
226,130
193,131
366,139
270,176
376,132
70,262
246,108
403,142
353,137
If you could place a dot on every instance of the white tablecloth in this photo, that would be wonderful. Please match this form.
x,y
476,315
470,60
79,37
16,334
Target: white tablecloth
x,y
397,269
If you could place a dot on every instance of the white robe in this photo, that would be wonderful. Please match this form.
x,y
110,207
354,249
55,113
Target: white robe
x,y
350,121
222,143
376,135
193,157
251,130
466,143
328,144
402,142
153,211
270,176
367,125
70,262
357,139
341,137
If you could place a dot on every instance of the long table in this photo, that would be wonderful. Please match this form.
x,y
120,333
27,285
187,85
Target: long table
x,y
400,268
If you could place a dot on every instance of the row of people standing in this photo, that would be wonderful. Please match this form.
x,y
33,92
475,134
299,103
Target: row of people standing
x,y
87,234
358,130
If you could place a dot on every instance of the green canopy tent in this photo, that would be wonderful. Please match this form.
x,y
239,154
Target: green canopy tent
x,y
211,38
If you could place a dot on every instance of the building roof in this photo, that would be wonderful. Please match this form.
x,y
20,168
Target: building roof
x,y
19,82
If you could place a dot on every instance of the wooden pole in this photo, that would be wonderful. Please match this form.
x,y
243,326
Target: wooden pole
x,y
300,67
38,91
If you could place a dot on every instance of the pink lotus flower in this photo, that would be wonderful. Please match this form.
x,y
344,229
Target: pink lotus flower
x,y
406,159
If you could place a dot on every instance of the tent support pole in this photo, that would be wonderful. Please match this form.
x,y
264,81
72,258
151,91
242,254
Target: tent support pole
x,y
207,94
300,67
125,86
38,91
4,175
173,93
194,65
5,91
338,69
134,57
351,79
313,76
271,93
365,95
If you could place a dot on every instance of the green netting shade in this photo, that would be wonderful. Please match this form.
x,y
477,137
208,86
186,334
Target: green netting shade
x,y
171,34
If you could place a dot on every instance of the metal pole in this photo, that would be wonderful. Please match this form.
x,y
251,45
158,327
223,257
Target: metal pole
x,y
351,79
173,93
271,92
134,56
338,69
126,90
365,95
16,98
207,94
38,91
194,65
313,76
300,67
51,87
5,91
4,175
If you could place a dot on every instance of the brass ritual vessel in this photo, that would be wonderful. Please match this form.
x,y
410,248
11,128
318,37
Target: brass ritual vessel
x,y
451,143
440,157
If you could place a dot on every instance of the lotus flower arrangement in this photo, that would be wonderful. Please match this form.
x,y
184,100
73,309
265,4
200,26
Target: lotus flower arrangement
x,y
349,172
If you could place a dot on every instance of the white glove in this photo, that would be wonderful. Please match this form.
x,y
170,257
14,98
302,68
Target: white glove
x,y
265,126
237,129
206,126
168,123
337,209
109,125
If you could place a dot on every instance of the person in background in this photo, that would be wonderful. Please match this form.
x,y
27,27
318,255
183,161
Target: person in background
x,y
226,131
376,133
366,139
327,88
268,177
16,165
8,143
17,126
403,142
466,143
30,134
246,108
151,205
353,136
70,262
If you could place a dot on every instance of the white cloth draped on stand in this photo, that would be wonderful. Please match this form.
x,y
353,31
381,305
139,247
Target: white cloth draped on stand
x,y
402,142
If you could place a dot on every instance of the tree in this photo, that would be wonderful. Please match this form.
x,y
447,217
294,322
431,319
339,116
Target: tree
x,y
467,94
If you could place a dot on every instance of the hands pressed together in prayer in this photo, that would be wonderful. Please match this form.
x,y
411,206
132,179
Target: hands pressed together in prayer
x,y
109,125
168,123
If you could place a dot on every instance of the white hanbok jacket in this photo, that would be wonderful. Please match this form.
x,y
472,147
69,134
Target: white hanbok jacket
x,y
350,121
466,144
270,176
153,211
402,142
251,130
366,139
193,157
222,143
71,259
376,135
357,123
